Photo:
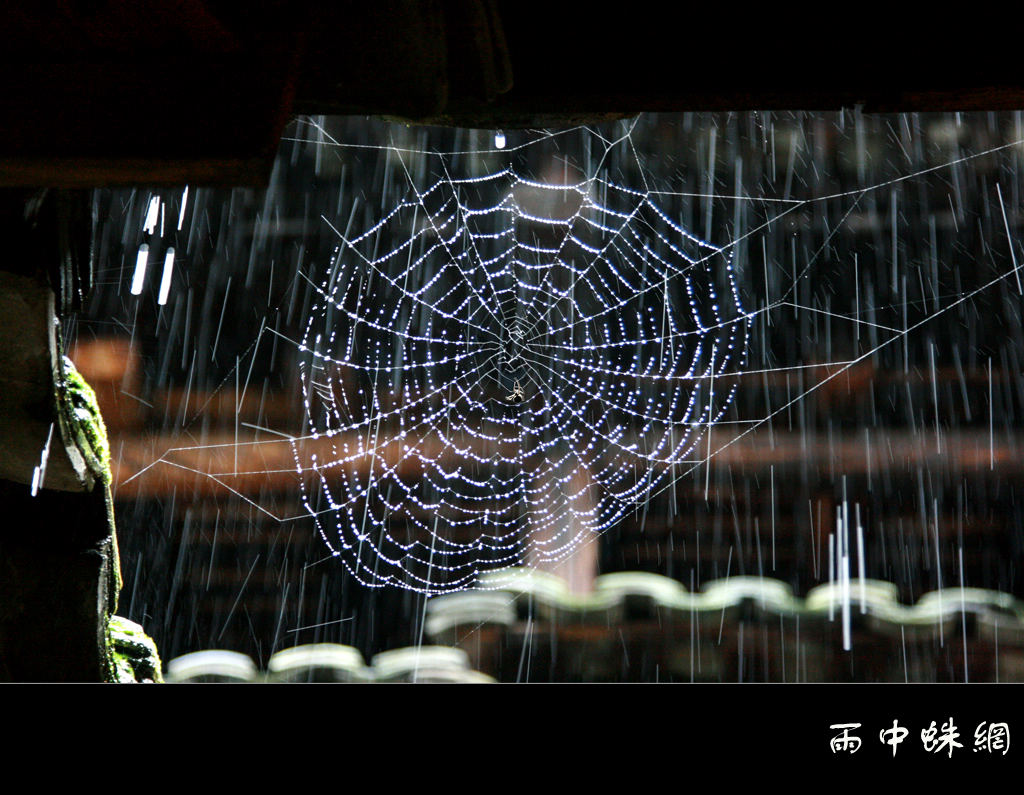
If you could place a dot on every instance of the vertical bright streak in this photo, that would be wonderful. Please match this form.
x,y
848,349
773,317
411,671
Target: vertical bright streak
x,y
711,185
935,397
831,575
39,473
181,212
711,401
767,288
165,280
903,642
895,244
860,564
844,577
1009,240
856,298
140,269
847,644
938,566
991,414
772,474
963,608
152,215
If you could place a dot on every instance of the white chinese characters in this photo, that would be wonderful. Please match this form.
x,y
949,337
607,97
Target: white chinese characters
x,y
845,742
894,736
992,738
947,739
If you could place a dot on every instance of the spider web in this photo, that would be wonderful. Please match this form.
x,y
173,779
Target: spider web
x,y
507,357
505,367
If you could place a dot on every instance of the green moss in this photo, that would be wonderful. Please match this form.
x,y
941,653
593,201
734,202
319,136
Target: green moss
x,y
81,413
131,654
82,424
115,581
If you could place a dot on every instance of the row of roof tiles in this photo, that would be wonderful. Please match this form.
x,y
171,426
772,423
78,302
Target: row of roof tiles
x,y
328,662
506,597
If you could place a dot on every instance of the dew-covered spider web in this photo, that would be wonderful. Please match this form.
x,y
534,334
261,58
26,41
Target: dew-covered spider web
x,y
506,345
504,366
